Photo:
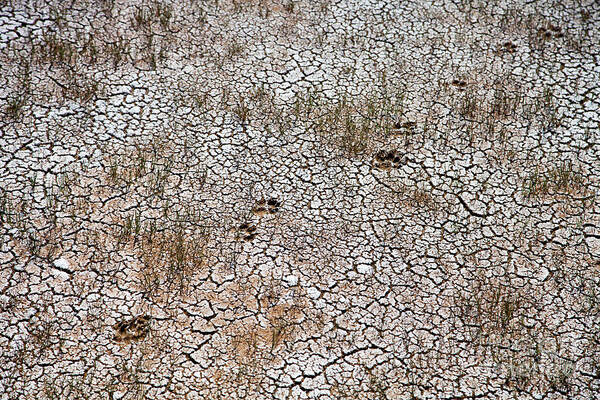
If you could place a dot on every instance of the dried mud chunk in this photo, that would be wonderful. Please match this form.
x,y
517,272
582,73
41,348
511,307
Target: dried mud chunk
x,y
136,328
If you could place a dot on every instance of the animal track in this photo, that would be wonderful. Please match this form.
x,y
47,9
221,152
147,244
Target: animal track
x,y
508,47
387,159
247,231
437,165
273,205
552,31
404,128
136,328
459,83
263,207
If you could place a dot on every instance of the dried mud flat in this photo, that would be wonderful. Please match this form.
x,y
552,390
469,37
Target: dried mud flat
x,y
299,199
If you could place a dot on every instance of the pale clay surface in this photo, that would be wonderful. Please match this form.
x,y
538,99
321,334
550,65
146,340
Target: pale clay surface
x,y
259,199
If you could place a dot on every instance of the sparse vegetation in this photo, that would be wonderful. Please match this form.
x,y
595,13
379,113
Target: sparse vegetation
x,y
495,311
20,95
78,86
353,124
358,200
170,258
154,12
15,105
564,178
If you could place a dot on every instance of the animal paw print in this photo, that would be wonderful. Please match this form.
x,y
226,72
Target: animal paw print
x,y
508,47
247,231
385,160
273,205
133,329
552,31
260,208
459,83
404,128
263,207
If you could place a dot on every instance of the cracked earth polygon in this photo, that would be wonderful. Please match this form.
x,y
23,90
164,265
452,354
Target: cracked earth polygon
x,y
293,199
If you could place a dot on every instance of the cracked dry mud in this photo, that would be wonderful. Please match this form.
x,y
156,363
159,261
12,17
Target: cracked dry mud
x,y
259,199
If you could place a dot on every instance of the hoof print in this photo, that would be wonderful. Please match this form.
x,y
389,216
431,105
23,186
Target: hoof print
x,y
129,330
